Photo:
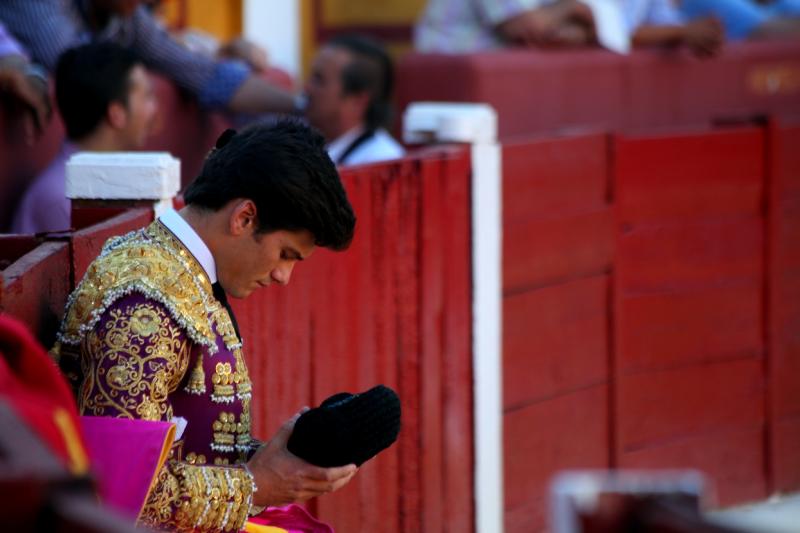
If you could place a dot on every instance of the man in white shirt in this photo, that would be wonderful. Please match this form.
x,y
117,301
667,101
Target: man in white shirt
x,y
349,95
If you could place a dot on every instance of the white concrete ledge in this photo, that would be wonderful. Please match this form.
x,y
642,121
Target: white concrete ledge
x,y
425,122
123,176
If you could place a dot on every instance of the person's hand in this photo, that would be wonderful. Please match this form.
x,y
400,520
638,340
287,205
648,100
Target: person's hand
x,y
249,52
31,95
563,23
704,36
281,477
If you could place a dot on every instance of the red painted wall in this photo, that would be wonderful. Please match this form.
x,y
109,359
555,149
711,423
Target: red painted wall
x,y
650,315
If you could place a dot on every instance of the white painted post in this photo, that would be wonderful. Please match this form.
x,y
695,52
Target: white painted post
x,y
476,124
275,25
127,176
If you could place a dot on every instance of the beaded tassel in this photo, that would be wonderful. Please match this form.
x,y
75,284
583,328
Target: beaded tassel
x,y
197,380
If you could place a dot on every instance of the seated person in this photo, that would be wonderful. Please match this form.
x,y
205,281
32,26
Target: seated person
x,y
106,100
48,27
202,42
25,83
349,95
659,23
749,19
489,24
449,26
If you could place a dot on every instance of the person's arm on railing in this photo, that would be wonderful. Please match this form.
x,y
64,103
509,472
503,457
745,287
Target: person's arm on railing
x,y
703,36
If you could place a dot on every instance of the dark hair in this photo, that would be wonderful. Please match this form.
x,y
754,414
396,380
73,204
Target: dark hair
x,y
283,167
370,70
88,79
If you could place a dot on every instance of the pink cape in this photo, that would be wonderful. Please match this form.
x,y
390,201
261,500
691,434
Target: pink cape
x,y
126,455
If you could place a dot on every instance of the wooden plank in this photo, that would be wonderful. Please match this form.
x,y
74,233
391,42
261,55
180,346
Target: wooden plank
x,y
697,254
555,340
662,330
554,176
653,408
35,287
785,352
785,454
732,459
432,228
457,388
783,309
552,250
407,274
568,431
689,176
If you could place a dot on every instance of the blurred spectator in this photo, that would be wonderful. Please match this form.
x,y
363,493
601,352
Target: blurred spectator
x,y
48,27
458,26
659,23
349,100
205,43
23,85
447,27
107,103
749,19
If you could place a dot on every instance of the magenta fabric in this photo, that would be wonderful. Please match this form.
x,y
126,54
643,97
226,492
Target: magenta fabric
x,y
125,457
292,518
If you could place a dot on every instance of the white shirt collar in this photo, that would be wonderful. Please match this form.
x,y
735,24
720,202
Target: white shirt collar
x,y
337,147
189,237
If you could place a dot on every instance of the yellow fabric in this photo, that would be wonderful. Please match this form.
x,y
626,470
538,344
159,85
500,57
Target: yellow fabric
x,y
79,460
169,440
250,527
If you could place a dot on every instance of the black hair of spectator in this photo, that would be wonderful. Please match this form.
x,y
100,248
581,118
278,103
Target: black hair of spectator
x,y
370,70
88,79
283,167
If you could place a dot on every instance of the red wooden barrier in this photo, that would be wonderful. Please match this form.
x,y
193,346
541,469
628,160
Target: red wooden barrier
x,y
34,288
557,252
689,359
784,309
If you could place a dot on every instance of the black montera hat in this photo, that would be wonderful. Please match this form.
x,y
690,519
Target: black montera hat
x,y
347,428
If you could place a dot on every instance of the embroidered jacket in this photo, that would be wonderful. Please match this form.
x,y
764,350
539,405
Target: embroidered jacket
x,y
143,337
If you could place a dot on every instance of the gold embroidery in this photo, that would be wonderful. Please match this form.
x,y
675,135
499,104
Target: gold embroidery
x,y
243,439
197,380
196,459
202,498
224,325
224,433
241,377
145,322
154,263
127,374
223,383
